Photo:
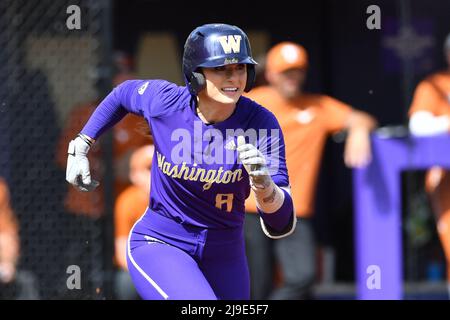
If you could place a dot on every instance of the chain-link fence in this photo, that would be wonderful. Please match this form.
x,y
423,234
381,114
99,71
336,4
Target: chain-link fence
x,y
53,60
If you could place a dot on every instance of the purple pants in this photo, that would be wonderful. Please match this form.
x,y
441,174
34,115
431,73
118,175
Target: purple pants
x,y
167,260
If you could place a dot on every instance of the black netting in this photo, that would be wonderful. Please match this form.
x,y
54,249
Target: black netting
x,y
46,70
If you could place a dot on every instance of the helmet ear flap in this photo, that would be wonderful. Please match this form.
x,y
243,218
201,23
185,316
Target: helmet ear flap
x,y
197,81
251,76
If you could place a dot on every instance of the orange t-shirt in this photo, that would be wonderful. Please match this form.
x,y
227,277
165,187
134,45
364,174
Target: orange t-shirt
x,y
306,122
130,206
8,222
433,94
126,138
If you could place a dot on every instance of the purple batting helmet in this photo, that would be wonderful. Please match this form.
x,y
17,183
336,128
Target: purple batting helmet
x,y
215,45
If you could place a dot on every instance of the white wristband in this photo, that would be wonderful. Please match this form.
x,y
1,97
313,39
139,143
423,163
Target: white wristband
x,y
269,199
277,235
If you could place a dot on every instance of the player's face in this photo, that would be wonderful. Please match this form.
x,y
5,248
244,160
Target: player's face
x,y
289,82
225,84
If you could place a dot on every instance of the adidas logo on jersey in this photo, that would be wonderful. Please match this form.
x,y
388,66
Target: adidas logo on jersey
x,y
142,89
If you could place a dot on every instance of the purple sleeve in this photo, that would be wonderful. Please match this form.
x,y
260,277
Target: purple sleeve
x,y
273,148
115,106
280,221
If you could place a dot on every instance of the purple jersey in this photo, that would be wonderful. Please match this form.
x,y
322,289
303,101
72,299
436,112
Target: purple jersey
x,y
196,176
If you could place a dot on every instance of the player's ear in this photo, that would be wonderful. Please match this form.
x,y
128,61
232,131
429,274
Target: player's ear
x,y
251,77
198,81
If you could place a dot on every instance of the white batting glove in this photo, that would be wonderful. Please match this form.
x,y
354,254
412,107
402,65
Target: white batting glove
x,y
269,197
77,172
255,164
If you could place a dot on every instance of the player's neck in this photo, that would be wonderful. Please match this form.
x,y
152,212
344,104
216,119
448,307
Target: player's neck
x,y
210,113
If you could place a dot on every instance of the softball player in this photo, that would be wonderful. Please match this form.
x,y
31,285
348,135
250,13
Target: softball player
x,y
189,243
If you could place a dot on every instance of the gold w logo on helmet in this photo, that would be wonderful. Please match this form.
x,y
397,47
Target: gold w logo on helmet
x,y
230,43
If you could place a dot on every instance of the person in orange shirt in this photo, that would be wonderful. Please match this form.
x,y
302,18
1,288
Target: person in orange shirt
x,y
129,207
306,120
9,237
14,283
429,114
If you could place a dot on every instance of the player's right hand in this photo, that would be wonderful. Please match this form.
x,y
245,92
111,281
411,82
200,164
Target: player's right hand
x,y
77,172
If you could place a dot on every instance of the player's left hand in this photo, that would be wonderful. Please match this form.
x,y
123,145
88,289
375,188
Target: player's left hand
x,y
255,164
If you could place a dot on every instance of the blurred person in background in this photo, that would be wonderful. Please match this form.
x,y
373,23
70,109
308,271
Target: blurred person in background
x,y
14,284
129,207
86,208
307,120
430,115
